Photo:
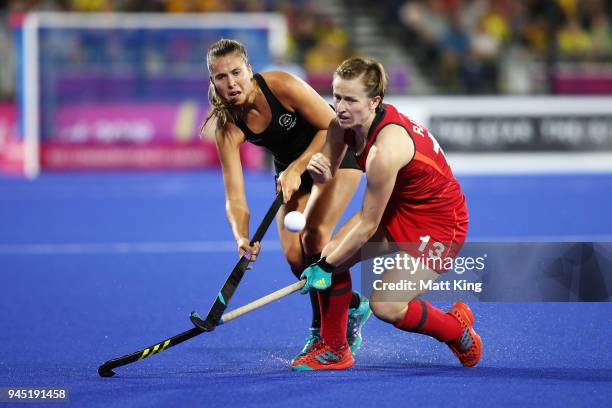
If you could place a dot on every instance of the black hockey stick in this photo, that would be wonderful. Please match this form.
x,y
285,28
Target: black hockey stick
x,y
215,313
228,289
105,369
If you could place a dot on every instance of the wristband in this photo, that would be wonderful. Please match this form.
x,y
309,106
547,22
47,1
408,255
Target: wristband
x,y
326,266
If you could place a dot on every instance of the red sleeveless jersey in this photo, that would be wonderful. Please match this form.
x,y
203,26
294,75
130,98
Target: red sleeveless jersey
x,y
427,212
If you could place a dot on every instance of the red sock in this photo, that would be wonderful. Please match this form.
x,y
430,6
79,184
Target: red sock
x,y
334,309
422,317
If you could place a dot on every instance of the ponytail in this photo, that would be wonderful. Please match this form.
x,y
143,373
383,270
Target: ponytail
x,y
220,110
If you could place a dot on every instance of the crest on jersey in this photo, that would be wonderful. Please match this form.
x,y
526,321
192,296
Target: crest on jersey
x,y
287,121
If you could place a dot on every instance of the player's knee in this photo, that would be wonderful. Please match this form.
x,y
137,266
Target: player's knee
x,y
390,312
314,238
293,254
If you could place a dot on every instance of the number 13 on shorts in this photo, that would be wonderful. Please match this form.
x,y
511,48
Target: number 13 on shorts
x,y
435,249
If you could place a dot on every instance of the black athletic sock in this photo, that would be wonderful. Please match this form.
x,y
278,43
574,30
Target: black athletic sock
x,y
355,301
309,259
316,310
314,303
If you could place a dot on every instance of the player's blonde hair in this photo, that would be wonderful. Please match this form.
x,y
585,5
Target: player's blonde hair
x,y
372,73
219,108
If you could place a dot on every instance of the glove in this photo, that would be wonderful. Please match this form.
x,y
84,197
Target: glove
x,y
318,276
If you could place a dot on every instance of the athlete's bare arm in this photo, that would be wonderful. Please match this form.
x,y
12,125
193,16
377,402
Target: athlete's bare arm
x,y
324,165
392,150
228,142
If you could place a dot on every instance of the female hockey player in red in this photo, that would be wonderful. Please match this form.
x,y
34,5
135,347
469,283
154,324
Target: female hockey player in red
x,y
412,203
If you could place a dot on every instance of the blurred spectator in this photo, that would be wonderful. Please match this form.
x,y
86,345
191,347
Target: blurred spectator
x,y
454,44
469,46
93,5
601,36
481,68
425,26
516,66
319,44
461,40
573,40
193,6
495,20
329,50
316,43
303,26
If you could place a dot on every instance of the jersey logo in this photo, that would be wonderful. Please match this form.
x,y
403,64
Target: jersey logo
x,y
287,121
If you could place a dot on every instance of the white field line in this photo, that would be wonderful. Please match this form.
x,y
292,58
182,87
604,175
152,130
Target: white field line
x,y
125,248
229,246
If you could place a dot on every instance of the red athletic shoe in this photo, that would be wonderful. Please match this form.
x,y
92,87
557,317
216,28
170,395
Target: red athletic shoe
x,y
324,357
468,347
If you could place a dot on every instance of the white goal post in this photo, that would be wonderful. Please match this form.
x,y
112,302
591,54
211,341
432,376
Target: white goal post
x,y
34,22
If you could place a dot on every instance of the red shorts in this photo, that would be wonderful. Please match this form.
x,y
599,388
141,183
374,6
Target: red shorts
x,y
436,236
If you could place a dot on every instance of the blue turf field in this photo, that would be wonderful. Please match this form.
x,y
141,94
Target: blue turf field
x,y
94,266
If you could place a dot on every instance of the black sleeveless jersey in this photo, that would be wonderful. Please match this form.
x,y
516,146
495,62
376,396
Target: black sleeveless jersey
x,y
287,135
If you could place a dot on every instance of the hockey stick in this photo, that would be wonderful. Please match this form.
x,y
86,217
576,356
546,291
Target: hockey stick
x,y
256,304
216,311
106,369
228,289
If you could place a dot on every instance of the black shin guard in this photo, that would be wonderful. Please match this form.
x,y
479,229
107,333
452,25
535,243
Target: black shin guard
x,y
309,259
355,301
